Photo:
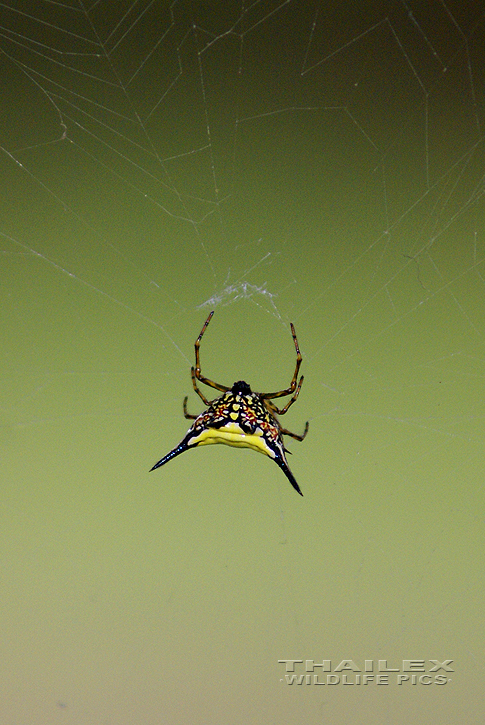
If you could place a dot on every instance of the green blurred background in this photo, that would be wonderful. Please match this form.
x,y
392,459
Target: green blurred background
x,y
280,162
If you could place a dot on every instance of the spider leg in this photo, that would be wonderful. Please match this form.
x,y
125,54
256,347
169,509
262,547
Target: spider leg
x,y
196,388
297,437
291,389
196,373
290,402
188,415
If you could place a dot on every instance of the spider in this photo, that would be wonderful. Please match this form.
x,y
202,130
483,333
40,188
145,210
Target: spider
x,y
240,417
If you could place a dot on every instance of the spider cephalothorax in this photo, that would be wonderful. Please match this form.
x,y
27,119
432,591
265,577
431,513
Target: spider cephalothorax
x,y
241,417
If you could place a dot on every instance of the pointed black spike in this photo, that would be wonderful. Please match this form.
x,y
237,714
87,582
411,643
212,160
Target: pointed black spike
x,y
181,448
284,467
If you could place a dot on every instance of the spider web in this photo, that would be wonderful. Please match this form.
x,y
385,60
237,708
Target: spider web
x,y
275,161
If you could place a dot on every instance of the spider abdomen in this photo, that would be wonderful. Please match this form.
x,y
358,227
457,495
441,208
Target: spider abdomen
x,y
237,420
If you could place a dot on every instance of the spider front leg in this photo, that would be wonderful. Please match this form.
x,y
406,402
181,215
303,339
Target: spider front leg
x,y
291,389
196,388
291,401
196,372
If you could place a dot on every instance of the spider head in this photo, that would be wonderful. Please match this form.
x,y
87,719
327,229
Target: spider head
x,y
241,388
